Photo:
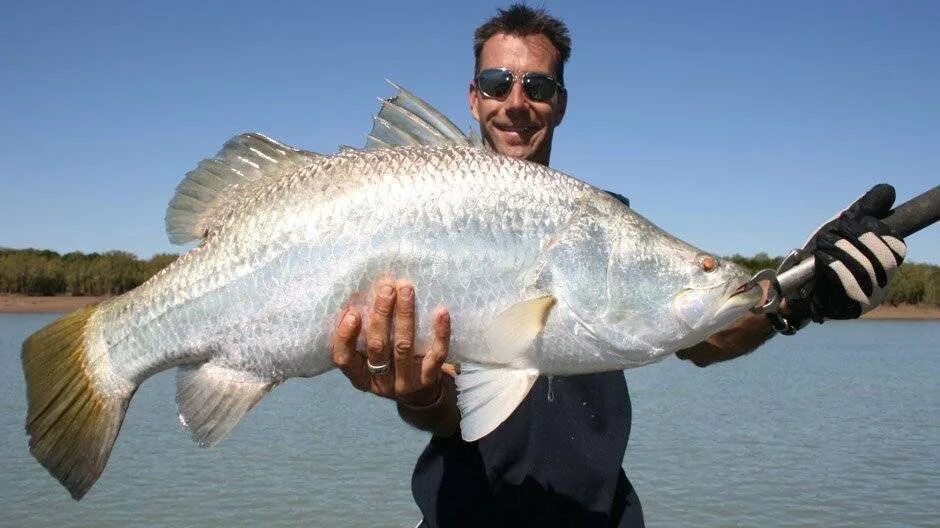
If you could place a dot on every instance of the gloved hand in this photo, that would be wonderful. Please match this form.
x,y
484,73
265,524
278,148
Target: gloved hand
x,y
856,256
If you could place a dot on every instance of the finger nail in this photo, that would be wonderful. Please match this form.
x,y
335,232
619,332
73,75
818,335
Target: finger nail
x,y
406,292
350,319
386,291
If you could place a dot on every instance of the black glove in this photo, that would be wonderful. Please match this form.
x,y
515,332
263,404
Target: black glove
x,y
856,255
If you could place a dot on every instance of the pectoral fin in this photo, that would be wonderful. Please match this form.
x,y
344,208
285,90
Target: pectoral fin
x,y
514,330
213,399
487,396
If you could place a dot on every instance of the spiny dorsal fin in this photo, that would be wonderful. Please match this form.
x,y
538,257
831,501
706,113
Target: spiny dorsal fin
x,y
405,119
213,399
244,158
487,396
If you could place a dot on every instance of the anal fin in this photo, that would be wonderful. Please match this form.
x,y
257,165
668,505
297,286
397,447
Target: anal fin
x,y
487,396
212,399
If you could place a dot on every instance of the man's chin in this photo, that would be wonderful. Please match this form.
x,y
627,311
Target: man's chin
x,y
515,149
514,146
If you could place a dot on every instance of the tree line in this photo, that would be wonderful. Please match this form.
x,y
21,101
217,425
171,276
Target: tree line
x,y
44,272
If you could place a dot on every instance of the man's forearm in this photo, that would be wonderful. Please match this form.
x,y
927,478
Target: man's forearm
x,y
440,417
743,336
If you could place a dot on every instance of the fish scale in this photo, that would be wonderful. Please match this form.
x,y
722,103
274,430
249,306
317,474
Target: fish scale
x,y
541,273
256,233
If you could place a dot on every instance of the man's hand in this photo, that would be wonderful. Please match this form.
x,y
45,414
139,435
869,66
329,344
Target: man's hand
x,y
856,256
426,399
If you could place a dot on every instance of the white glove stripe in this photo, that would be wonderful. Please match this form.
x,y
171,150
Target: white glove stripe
x,y
898,246
882,252
853,252
852,289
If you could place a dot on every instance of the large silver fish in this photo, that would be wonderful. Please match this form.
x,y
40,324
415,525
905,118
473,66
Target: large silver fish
x,y
542,273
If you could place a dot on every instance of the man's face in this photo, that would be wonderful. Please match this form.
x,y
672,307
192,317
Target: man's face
x,y
514,125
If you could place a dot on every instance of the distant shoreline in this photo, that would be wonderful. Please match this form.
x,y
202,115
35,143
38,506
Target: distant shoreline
x,y
65,303
908,312
41,304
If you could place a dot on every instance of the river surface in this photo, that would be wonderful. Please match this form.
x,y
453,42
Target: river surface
x,y
836,426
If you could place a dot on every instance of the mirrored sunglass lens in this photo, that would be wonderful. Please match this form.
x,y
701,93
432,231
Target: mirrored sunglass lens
x,y
495,83
538,87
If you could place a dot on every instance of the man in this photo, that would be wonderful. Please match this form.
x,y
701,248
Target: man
x,y
557,460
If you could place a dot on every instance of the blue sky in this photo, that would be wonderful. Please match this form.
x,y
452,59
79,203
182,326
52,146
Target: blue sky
x,y
737,126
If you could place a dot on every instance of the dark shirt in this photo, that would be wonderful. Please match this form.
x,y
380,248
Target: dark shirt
x,y
556,461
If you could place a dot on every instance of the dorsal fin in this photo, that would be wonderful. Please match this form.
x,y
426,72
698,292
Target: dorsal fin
x,y
406,119
244,158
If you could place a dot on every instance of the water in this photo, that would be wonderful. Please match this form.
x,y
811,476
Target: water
x,y
837,426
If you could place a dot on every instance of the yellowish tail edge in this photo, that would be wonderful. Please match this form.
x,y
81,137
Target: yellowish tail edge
x,y
72,418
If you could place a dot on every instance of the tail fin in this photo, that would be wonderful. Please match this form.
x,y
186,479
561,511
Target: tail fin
x,y
75,408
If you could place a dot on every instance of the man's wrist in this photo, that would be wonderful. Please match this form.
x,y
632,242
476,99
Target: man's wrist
x,y
417,406
440,416
789,318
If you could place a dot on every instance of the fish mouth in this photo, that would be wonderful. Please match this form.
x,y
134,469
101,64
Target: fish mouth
x,y
717,306
743,288
740,299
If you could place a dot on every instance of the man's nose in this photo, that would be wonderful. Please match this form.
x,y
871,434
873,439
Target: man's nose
x,y
516,98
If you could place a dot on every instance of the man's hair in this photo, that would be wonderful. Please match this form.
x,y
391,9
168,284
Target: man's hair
x,y
522,21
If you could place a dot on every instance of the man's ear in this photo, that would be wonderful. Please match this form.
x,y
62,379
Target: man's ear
x,y
561,106
474,98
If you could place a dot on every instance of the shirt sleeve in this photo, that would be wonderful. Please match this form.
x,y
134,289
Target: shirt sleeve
x,y
621,198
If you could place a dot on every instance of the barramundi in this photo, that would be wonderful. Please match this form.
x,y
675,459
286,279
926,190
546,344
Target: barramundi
x,y
542,274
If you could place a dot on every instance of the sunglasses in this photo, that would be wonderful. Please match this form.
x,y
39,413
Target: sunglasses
x,y
537,86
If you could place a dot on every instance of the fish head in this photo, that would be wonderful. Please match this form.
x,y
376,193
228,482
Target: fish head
x,y
644,293
671,295
714,295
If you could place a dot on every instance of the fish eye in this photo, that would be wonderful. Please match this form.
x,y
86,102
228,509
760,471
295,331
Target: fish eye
x,y
708,263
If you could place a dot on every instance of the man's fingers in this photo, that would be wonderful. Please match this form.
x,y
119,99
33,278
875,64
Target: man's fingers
x,y
451,369
345,356
344,340
437,352
403,350
377,352
393,314
876,202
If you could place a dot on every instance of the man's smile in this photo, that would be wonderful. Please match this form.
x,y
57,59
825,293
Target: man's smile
x,y
523,132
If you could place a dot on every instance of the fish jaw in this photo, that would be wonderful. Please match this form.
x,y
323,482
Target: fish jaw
x,y
711,309
738,302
